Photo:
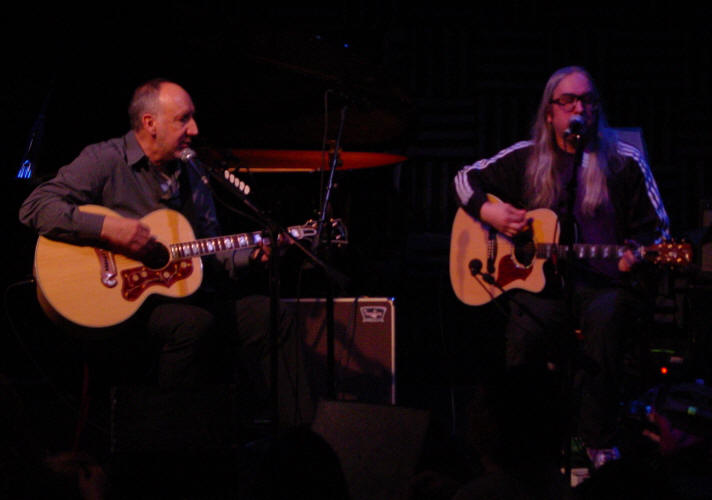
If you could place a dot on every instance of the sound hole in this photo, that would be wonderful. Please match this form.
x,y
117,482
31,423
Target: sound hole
x,y
524,247
156,256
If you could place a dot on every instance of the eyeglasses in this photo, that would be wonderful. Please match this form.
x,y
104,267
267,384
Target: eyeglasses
x,y
568,101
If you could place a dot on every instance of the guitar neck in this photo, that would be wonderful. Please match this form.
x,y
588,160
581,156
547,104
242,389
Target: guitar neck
x,y
209,246
581,250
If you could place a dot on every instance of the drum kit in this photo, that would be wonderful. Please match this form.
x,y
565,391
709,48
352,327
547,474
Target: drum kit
x,y
275,161
289,170
298,184
300,91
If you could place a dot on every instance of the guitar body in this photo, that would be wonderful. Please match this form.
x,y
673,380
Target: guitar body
x,y
500,256
485,263
72,282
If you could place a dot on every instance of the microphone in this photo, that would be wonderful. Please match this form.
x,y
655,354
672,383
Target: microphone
x,y
189,157
576,127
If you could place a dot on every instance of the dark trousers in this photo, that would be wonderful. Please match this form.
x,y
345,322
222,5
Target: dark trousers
x,y
540,337
201,340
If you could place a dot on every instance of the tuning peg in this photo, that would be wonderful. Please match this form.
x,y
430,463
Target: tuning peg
x,y
235,181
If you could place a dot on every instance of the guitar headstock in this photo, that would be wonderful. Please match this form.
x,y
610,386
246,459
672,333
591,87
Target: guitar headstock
x,y
670,253
334,229
339,233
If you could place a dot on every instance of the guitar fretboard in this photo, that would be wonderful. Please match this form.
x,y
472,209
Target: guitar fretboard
x,y
209,246
581,250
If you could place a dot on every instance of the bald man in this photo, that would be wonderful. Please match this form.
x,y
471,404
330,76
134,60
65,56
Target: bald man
x,y
134,175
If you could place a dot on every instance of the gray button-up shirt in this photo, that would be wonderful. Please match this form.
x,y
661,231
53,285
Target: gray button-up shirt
x,y
117,174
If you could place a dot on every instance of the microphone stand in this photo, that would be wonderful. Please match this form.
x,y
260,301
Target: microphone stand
x,y
274,230
330,333
570,228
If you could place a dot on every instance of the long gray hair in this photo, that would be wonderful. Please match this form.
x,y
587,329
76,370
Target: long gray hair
x,y
543,185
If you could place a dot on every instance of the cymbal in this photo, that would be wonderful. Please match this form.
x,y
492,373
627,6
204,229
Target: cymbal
x,y
290,160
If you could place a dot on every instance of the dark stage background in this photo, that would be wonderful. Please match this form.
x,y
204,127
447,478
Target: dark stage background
x,y
441,85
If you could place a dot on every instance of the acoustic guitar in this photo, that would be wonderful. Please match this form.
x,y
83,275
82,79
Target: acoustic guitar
x,y
96,288
485,263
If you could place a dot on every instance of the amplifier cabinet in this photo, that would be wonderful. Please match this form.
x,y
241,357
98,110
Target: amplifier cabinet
x,y
364,347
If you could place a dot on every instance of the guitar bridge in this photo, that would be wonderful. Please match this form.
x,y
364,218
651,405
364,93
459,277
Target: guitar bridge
x,y
136,280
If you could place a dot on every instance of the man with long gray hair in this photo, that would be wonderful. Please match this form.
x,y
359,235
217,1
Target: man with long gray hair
x,y
602,192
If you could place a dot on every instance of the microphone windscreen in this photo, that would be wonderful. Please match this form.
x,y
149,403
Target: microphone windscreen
x,y
576,125
187,155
